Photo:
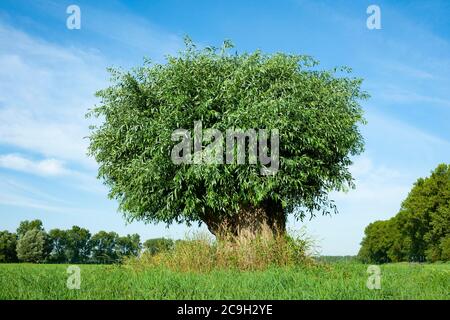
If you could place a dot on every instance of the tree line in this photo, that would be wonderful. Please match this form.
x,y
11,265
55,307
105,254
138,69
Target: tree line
x,y
31,243
421,229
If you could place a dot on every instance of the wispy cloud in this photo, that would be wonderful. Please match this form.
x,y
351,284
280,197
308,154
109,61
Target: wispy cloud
x,y
46,167
12,185
18,194
46,92
405,70
115,24
406,96
26,202
51,167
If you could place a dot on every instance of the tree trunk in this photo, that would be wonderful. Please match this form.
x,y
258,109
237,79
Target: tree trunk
x,y
249,219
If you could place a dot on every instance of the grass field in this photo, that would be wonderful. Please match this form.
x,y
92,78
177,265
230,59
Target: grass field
x,y
337,280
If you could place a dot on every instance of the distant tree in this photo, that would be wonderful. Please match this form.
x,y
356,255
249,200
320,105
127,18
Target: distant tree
x,y
29,225
154,246
8,243
420,230
104,247
382,243
78,245
58,239
127,246
438,236
33,246
424,217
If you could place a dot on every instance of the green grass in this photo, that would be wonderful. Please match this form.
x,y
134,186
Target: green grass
x,y
337,280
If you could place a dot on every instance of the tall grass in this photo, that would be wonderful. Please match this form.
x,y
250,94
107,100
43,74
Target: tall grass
x,y
245,251
341,280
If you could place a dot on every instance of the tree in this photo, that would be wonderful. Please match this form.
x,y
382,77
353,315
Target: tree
x,y
78,246
425,214
8,242
104,247
33,246
58,240
316,114
154,246
127,246
71,246
420,230
438,236
26,226
382,243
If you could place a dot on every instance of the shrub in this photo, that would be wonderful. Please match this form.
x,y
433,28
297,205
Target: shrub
x,y
244,251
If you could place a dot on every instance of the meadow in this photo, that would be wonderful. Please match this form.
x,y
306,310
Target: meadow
x,y
324,280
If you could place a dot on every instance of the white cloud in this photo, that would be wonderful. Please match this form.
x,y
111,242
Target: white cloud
x,y
121,26
52,168
15,187
18,198
377,186
46,167
46,89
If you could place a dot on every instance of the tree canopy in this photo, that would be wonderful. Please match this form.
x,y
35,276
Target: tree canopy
x,y
8,243
33,246
316,113
421,229
27,225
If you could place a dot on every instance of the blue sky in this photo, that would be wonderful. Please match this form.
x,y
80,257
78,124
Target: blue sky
x,y
48,75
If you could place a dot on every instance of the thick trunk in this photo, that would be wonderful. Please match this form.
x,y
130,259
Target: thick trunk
x,y
249,219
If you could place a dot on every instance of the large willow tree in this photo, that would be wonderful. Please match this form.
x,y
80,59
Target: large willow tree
x,y
316,113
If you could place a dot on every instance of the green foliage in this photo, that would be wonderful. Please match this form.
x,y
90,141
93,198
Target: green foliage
x,y
78,245
58,240
128,246
154,246
72,246
66,246
382,243
420,230
8,242
33,246
445,248
104,247
26,226
316,112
